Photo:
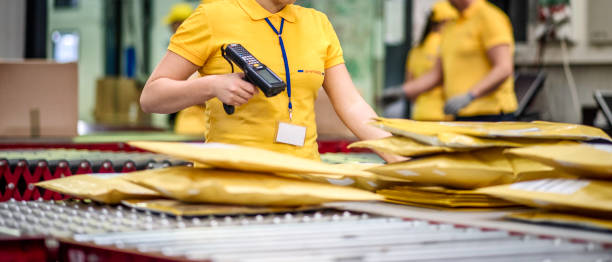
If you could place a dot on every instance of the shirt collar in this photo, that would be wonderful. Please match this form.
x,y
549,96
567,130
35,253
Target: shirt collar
x,y
471,10
257,12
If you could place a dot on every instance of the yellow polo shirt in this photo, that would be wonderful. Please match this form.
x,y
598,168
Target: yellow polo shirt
x,y
191,121
428,106
464,57
311,45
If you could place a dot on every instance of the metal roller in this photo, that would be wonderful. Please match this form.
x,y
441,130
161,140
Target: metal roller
x,y
21,168
328,235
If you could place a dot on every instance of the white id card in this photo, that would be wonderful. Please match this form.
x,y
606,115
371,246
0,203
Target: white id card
x,y
290,134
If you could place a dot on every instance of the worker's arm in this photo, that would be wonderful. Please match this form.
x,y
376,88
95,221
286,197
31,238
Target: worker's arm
x,y
168,90
352,108
502,67
415,87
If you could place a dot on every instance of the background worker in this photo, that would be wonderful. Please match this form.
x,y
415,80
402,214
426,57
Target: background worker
x,y
428,106
178,13
298,44
475,66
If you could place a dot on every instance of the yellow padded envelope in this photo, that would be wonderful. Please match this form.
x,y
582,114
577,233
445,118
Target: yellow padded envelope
x,y
427,132
442,197
402,146
587,160
196,185
468,170
243,158
574,195
105,188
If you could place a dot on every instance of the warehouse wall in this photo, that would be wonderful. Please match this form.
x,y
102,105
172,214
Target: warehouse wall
x,y
12,27
87,19
591,67
556,103
362,40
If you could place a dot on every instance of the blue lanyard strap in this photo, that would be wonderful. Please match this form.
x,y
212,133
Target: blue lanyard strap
x,y
287,73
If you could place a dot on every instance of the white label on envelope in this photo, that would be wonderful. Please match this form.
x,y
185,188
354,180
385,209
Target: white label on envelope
x,y
290,134
555,186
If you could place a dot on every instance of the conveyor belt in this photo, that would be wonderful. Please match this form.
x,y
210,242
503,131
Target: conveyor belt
x,y
20,169
329,235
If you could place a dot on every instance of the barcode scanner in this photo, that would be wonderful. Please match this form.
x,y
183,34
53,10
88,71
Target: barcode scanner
x,y
255,72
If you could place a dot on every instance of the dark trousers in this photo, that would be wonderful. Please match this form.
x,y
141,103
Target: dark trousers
x,y
487,118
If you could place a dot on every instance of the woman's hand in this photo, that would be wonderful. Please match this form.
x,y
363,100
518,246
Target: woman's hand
x,y
231,89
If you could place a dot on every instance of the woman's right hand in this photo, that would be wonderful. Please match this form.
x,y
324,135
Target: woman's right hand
x,y
231,89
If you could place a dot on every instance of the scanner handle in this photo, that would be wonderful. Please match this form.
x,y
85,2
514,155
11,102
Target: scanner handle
x,y
229,109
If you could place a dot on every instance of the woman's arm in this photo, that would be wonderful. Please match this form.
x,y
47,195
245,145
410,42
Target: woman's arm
x,y
414,87
352,108
168,91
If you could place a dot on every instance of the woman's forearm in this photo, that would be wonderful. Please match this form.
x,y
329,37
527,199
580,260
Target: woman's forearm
x,y
356,116
170,88
165,95
352,109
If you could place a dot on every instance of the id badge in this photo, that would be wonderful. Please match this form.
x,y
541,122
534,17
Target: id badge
x,y
287,133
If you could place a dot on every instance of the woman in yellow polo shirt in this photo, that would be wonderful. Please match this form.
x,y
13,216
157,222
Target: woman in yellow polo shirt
x,y
298,44
429,105
475,66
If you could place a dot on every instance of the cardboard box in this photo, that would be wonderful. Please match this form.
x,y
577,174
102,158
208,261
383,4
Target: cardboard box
x,y
38,98
117,103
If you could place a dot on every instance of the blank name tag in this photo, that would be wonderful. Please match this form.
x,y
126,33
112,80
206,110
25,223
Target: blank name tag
x,y
290,134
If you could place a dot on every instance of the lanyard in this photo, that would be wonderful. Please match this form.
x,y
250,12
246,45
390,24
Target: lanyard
x,y
287,73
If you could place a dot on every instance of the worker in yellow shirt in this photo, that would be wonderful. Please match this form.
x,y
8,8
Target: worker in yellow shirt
x,y
298,44
429,105
475,65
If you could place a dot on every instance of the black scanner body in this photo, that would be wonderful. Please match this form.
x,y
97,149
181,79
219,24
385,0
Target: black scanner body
x,y
255,72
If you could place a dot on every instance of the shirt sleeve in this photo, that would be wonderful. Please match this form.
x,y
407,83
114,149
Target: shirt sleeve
x,y
334,50
497,29
192,40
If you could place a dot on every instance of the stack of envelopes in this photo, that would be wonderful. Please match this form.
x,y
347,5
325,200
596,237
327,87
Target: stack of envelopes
x,y
460,156
442,197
